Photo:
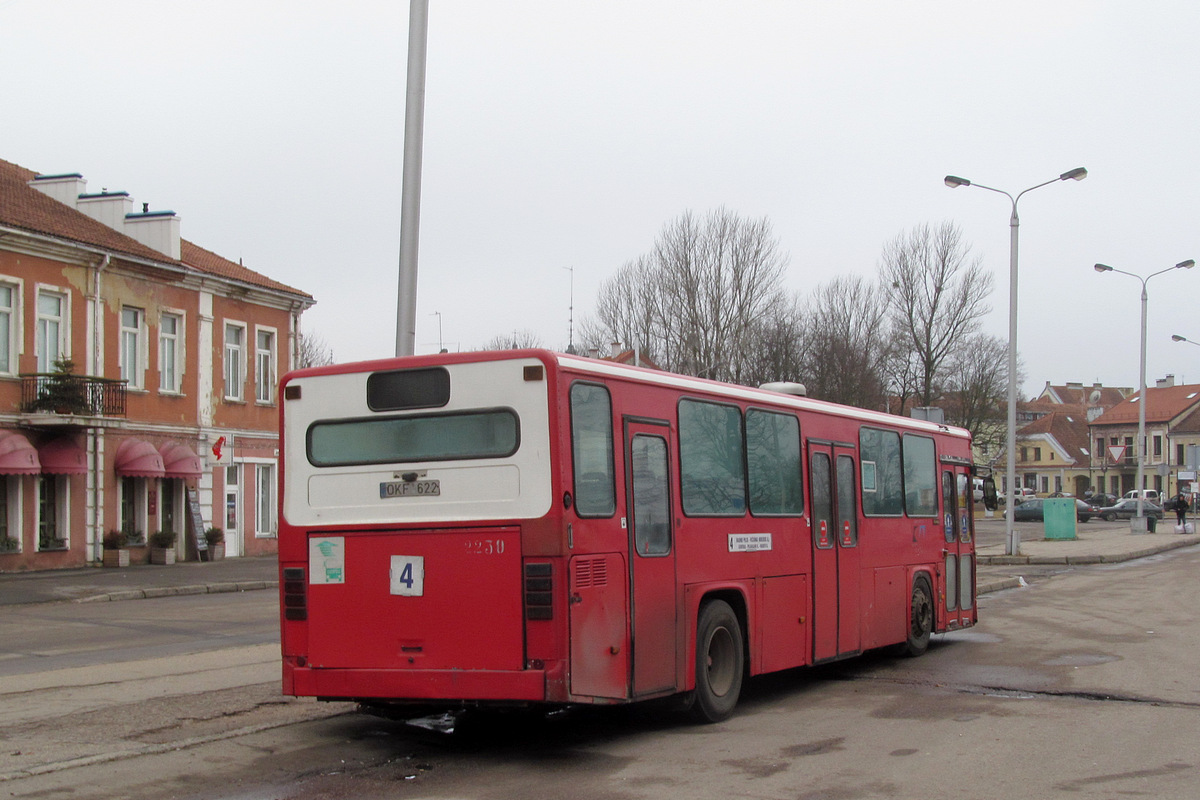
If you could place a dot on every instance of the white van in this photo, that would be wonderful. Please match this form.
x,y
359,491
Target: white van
x,y
1147,494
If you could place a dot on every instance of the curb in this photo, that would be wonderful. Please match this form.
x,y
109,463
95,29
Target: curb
x,y
175,591
1114,558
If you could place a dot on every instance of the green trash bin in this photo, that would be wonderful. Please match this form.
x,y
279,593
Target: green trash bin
x,y
1059,517
1151,523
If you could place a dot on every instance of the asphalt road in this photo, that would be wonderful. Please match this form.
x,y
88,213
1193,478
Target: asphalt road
x,y
1081,685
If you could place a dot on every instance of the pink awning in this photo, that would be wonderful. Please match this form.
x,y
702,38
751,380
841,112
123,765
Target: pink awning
x,y
62,457
137,458
180,461
17,455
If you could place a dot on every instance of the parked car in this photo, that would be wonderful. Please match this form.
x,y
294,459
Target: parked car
x,y
1100,500
1147,494
1127,509
1034,510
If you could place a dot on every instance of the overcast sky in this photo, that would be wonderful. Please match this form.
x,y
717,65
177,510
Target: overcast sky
x,y
565,133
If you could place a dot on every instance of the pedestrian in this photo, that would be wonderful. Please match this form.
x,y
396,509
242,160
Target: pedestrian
x,y
1181,508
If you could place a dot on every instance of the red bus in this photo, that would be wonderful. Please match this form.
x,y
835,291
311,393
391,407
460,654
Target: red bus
x,y
528,527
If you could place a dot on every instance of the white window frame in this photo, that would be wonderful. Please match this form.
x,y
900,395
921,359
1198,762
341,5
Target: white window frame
x,y
264,365
12,497
235,362
265,526
133,348
41,337
173,344
62,497
10,322
141,517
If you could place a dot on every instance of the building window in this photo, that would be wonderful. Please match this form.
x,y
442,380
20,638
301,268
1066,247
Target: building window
x,y
51,517
51,329
264,366
1158,447
170,341
264,500
131,347
9,332
133,509
1180,455
235,359
1037,454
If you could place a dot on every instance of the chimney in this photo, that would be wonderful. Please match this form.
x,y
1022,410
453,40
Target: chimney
x,y
616,349
158,230
1165,383
109,208
63,188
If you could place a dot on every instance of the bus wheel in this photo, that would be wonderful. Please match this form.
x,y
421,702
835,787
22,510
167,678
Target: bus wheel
x,y
920,625
719,662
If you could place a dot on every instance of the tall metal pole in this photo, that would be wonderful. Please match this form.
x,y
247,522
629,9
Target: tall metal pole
x,y
1138,523
1141,440
410,191
1012,537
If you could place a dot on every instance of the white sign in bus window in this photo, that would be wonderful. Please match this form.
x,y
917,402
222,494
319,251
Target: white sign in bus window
x,y
407,576
327,559
868,476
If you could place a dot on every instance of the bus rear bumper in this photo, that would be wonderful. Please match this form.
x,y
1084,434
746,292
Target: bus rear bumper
x,y
523,685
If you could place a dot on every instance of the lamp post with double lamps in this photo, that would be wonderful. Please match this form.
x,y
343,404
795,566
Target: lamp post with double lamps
x,y
1012,537
1138,524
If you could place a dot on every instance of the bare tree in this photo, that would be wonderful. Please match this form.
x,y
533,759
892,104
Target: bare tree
x,y
977,384
696,301
845,343
517,340
312,351
938,296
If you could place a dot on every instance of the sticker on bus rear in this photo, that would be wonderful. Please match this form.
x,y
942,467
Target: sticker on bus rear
x,y
327,559
407,576
749,542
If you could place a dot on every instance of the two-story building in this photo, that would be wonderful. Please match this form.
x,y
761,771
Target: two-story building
x,y
1172,424
138,376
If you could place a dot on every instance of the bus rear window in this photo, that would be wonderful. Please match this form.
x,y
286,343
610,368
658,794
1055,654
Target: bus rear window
x,y
408,388
494,433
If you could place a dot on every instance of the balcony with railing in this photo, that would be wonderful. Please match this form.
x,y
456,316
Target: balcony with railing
x,y
67,394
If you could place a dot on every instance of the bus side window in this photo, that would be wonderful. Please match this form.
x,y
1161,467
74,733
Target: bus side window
x,y
773,456
592,450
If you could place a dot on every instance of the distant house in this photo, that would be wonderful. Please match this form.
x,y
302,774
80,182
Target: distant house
x,y
138,376
1172,424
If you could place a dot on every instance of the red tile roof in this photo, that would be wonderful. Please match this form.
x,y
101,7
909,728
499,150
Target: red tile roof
x,y
27,209
1068,425
1162,405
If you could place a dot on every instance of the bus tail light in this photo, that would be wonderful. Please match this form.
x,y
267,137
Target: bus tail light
x,y
295,595
539,591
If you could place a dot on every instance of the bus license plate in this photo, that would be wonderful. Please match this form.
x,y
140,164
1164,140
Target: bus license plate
x,y
409,489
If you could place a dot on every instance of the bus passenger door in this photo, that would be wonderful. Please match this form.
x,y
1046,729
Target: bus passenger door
x,y
958,578
836,564
651,556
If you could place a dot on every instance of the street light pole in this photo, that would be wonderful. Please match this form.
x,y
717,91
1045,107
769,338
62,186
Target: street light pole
x,y
1012,537
1138,525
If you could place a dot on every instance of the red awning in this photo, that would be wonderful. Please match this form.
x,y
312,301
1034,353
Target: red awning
x,y
180,461
17,455
137,458
62,457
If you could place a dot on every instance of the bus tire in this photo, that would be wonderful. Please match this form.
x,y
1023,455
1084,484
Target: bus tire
x,y
920,618
719,662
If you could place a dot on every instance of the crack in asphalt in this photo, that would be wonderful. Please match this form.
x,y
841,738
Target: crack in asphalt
x,y
1019,692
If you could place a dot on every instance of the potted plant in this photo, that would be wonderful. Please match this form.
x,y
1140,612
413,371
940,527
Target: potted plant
x,y
216,543
162,547
63,393
9,545
116,553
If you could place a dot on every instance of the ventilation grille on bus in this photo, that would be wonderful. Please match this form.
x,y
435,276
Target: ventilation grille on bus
x,y
539,591
591,572
295,595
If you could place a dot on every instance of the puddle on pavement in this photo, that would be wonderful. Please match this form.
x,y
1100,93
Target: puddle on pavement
x,y
970,636
1080,660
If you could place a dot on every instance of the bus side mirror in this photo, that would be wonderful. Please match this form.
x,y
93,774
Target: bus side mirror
x,y
990,500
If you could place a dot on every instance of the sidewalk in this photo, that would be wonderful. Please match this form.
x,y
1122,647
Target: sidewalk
x,y
89,584
1096,544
